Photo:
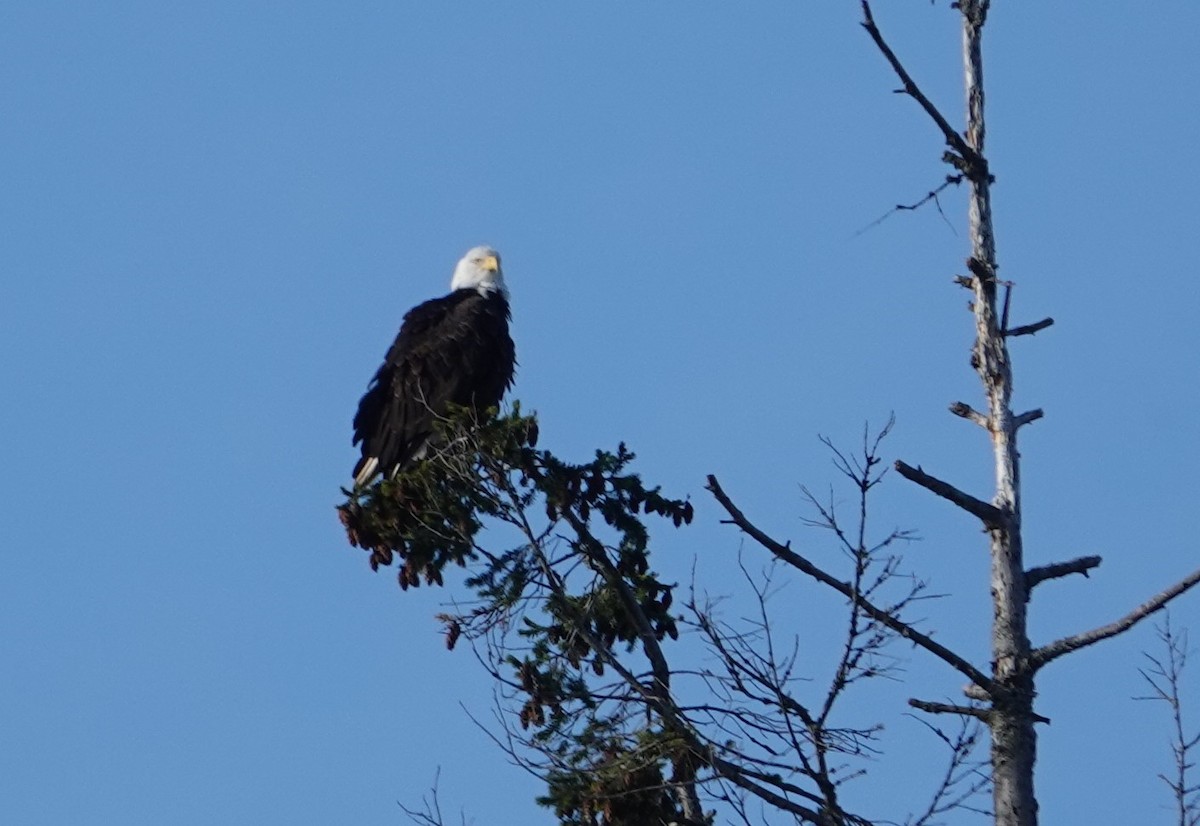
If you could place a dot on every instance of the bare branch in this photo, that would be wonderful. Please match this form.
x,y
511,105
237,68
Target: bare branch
x,y
786,554
990,515
1166,678
740,777
432,815
965,411
1028,417
949,708
973,166
932,195
1056,649
1042,573
963,778
1029,329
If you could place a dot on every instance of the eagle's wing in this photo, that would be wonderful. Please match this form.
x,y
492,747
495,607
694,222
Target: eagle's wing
x,y
455,349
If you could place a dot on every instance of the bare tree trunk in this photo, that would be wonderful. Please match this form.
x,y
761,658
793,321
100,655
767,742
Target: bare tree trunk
x,y
1014,741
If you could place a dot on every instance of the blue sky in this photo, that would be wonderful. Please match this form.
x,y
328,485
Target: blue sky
x,y
214,215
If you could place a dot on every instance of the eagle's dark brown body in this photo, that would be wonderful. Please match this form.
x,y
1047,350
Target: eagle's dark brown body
x,y
450,350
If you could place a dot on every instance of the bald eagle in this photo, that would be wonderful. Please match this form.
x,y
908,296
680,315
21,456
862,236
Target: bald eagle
x,y
450,350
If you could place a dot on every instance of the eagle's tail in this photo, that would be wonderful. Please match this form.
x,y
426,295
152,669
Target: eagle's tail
x,y
365,470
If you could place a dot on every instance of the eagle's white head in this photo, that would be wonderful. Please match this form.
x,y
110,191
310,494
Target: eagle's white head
x,y
479,270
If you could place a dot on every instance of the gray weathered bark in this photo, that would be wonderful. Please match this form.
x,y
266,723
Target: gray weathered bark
x,y
1014,740
1010,690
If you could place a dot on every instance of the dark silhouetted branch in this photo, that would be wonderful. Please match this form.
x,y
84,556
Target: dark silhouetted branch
x,y
1028,417
990,515
950,708
972,163
932,195
1060,569
1166,679
785,554
739,777
432,815
1029,329
1056,649
964,776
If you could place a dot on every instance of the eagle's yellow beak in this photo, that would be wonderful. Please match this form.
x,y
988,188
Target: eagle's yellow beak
x,y
490,263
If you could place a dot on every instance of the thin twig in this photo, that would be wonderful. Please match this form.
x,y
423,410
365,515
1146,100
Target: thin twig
x,y
932,195
786,554
960,770
1166,678
432,816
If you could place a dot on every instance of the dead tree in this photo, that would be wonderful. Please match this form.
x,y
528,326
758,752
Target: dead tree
x,y
1007,692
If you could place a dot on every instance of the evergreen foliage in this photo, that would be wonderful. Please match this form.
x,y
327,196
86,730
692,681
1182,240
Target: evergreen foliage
x,y
557,555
